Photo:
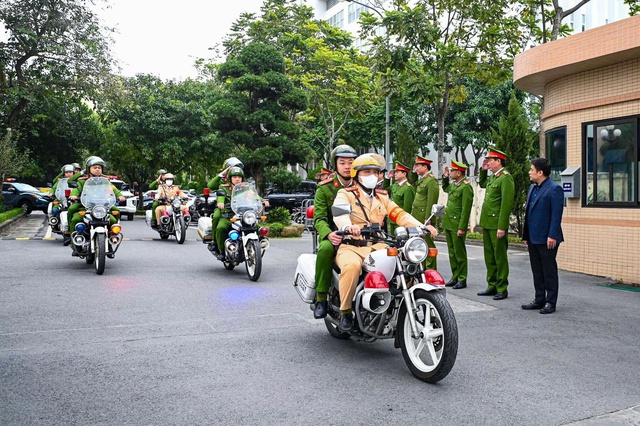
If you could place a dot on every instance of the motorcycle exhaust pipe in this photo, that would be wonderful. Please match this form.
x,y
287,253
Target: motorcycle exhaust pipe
x,y
115,241
230,246
78,239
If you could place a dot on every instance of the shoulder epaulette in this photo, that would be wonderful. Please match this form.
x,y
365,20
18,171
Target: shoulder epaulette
x,y
505,172
408,184
466,182
324,182
351,188
382,192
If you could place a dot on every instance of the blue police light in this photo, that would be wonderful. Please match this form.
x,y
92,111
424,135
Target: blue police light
x,y
234,235
54,211
81,227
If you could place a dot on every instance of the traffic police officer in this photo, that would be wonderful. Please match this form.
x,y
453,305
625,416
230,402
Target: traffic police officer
x,y
235,175
153,186
402,192
341,158
373,205
215,184
456,221
494,220
427,193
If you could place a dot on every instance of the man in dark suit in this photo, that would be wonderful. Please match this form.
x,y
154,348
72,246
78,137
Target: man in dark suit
x,y
543,234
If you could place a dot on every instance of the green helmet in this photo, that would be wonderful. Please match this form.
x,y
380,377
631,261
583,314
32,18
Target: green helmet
x,y
95,161
76,166
233,162
67,168
235,171
341,151
161,172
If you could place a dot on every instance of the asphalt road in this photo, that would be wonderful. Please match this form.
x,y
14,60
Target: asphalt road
x,y
167,336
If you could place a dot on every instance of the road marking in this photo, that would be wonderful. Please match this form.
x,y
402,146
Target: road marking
x,y
460,304
48,234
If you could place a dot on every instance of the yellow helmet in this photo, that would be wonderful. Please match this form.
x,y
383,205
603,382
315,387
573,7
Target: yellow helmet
x,y
366,161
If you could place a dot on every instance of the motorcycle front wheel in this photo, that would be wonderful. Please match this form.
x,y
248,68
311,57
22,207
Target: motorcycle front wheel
x,y
100,254
181,231
431,355
253,262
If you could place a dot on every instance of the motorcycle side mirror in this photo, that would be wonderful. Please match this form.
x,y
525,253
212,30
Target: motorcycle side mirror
x,y
72,184
340,209
437,210
207,192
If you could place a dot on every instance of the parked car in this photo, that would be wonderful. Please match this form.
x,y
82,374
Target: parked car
x,y
291,200
23,195
129,206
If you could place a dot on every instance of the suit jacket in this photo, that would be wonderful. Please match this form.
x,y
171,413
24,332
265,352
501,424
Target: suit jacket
x,y
544,214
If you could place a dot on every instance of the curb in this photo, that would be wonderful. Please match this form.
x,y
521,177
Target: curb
x,y
474,242
12,220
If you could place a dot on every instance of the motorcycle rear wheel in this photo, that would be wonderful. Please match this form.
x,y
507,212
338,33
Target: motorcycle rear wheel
x,y
431,356
181,230
100,254
253,262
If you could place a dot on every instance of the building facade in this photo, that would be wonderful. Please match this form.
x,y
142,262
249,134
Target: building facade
x,y
590,83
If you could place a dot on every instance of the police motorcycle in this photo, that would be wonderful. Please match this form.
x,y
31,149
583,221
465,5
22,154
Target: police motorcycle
x,y
57,210
246,242
173,221
95,238
395,299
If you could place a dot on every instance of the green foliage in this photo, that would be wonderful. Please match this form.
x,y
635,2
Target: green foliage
x,y
275,229
279,215
6,215
11,159
255,114
515,137
282,180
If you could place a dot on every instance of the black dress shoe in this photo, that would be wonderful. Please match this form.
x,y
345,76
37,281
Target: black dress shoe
x,y
488,292
548,309
532,305
451,283
321,310
346,323
501,295
459,285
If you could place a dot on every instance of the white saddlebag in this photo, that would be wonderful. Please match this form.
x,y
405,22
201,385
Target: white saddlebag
x,y
148,216
305,281
204,228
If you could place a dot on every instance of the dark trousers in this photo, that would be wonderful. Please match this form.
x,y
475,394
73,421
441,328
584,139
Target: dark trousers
x,y
545,273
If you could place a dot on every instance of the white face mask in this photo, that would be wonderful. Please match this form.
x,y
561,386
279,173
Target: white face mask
x,y
169,182
369,182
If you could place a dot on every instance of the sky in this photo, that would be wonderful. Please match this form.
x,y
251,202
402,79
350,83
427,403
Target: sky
x,y
164,37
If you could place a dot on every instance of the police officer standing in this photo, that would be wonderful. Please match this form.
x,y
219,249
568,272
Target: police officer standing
x,y
494,220
427,193
341,158
402,192
456,221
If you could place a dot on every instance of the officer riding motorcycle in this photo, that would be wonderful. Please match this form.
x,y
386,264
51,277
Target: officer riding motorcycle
x,y
57,211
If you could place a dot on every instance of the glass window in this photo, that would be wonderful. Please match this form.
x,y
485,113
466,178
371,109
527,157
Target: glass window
x,y
611,163
337,20
556,151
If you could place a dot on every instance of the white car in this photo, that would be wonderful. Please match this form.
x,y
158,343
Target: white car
x,y
131,202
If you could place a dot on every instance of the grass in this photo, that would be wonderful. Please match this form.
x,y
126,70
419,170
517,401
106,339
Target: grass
x,y
10,214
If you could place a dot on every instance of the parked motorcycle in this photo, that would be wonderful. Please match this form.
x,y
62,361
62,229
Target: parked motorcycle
x,y
57,211
203,206
95,238
246,242
395,299
173,221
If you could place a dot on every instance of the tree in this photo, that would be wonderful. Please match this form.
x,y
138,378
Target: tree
x,y
51,46
11,159
255,117
157,124
470,122
433,45
515,137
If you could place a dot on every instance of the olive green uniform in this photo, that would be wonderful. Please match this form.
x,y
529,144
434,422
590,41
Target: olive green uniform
x,y
223,224
496,210
323,222
214,185
427,193
153,186
456,217
402,194
76,218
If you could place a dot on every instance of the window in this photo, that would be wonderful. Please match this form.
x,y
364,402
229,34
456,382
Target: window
x,y
331,3
337,20
571,22
354,12
556,151
584,22
611,163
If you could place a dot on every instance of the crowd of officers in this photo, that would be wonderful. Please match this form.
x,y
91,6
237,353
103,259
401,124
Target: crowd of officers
x,y
360,182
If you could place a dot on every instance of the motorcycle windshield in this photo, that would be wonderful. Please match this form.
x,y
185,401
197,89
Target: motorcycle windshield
x,y
245,198
97,191
62,186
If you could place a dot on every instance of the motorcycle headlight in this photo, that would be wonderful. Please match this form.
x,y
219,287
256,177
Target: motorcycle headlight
x,y
415,250
99,212
176,203
250,218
